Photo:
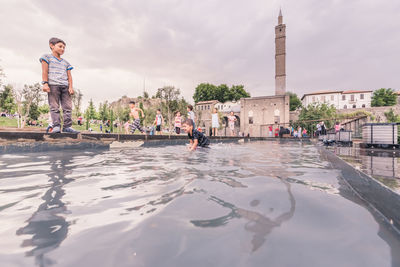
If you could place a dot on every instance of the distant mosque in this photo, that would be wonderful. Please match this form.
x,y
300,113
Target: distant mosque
x,y
257,114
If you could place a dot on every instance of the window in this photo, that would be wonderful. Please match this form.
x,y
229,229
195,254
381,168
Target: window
x,y
313,98
345,106
343,97
363,105
332,97
323,98
201,107
208,106
354,106
361,96
352,97
250,120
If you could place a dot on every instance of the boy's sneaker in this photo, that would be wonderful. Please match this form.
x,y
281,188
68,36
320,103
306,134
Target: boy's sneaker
x,y
69,130
56,129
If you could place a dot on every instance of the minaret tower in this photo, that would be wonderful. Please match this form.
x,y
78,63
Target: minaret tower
x,y
280,56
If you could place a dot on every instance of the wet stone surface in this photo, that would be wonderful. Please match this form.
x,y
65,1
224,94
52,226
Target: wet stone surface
x,y
250,204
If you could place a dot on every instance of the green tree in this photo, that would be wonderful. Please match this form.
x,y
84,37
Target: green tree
x,y
44,109
384,97
222,93
168,94
77,101
145,95
91,110
32,96
103,111
7,101
111,120
237,92
204,92
2,75
34,112
140,113
312,114
295,101
391,116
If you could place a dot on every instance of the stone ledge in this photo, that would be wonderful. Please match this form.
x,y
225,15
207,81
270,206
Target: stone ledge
x,y
377,195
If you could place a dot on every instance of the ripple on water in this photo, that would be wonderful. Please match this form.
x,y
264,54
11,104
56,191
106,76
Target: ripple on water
x,y
231,205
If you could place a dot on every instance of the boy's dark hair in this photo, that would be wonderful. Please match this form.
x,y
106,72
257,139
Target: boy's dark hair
x,y
132,102
159,109
55,41
190,107
188,122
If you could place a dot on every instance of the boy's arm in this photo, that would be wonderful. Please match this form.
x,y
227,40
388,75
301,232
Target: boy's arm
x,y
70,89
195,143
45,76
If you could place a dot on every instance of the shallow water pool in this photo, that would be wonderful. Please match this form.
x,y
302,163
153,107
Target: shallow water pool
x,y
251,204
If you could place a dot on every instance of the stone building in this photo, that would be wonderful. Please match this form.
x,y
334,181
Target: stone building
x,y
203,111
258,113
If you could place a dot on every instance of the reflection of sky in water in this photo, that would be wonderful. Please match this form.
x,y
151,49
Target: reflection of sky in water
x,y
383,165
231,205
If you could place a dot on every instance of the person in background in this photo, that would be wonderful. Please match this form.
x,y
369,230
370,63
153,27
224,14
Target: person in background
x,y
323,129
178,122
304,132
337,127
318,129
191,115
270,130
299,132
158,121
215,122
135,115
231,123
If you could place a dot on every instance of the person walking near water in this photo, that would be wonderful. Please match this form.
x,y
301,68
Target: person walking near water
x,y
231,123
215,122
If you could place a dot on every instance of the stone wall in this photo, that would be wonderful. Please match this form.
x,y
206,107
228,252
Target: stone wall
x,y
257,113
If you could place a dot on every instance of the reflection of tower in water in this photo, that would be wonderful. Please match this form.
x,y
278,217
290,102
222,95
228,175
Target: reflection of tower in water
x,y
47,225
258,223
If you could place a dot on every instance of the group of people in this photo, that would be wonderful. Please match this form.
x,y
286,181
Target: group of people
x,y
158,121
215,122
57,83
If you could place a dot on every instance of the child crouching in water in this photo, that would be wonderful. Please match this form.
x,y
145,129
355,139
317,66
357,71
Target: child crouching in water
x,y
196,138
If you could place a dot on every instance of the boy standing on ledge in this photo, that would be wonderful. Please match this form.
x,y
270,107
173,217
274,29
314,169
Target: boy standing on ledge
x,y
57,83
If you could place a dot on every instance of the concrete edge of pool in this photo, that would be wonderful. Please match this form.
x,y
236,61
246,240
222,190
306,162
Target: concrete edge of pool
x,y
380,197
23,142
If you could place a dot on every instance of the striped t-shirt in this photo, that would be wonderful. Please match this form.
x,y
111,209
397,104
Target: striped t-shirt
x,y
57,69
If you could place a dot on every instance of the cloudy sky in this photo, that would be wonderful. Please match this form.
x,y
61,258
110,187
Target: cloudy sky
x,y
117,45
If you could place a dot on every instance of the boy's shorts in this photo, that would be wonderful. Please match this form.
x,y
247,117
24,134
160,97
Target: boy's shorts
x,y
158,128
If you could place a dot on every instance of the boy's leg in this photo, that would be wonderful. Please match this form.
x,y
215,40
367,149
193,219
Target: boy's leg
x,y
54,100
136,125
66,104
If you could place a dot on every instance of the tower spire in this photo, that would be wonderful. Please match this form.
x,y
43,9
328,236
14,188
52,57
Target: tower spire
x,y
280,56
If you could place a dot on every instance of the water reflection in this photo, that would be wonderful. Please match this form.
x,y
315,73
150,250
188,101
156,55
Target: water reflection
x,y
48,226
258,224
380,164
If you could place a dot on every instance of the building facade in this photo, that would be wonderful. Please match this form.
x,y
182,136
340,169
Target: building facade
x,y
258,113
340,99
